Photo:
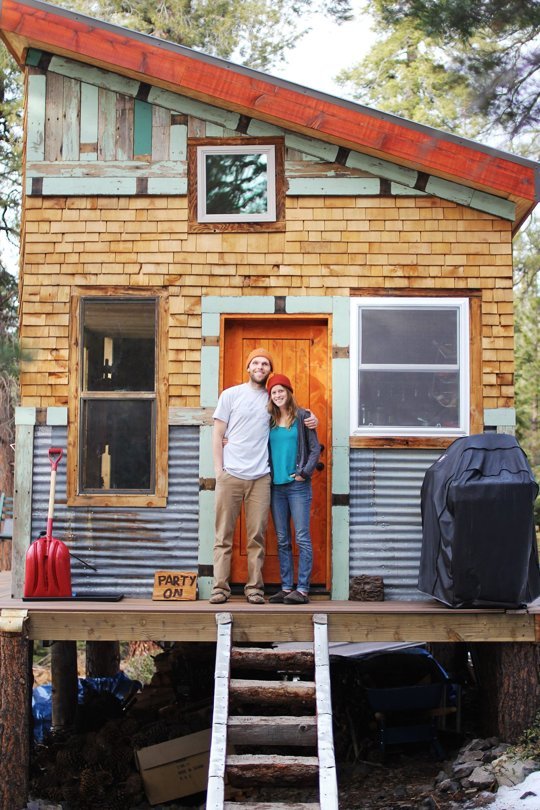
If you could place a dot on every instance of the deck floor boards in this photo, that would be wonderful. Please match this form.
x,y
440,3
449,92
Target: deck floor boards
x,y
140,619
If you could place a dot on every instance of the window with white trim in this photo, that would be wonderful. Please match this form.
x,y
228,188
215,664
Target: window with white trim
x,y
236,183
409,366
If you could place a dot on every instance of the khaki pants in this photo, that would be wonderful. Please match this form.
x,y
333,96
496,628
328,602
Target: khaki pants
x,y
230,492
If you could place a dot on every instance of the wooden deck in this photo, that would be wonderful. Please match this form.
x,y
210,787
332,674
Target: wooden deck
x,y
142,619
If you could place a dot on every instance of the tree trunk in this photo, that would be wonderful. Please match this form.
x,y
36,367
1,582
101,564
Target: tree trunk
x,y
102,659
509,680
64,684
15,708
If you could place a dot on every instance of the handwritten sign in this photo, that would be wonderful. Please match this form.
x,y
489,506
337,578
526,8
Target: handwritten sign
x,y
175,586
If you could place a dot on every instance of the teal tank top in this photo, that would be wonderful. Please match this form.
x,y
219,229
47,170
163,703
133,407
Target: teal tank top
x,y
283,443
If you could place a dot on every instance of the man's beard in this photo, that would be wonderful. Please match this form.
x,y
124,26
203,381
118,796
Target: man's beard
x,y
262,382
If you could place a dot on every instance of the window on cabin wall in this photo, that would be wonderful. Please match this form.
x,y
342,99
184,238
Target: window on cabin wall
x,y
410,366
236,184
120,415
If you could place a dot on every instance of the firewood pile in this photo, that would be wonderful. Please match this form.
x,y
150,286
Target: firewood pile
x,y
92,767
366,588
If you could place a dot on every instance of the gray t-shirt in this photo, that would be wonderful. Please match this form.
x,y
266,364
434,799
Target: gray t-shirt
x,y
244,410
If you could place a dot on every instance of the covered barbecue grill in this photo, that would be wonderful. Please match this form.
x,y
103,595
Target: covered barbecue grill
x,y
478,538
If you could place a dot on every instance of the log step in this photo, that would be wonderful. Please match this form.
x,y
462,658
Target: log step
x,y
279,730
271,692
264,769
271,806
275,660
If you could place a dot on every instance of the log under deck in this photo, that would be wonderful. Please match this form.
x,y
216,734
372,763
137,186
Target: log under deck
x,y
134,619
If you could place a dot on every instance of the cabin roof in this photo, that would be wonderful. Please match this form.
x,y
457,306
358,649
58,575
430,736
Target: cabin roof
x,y
35,24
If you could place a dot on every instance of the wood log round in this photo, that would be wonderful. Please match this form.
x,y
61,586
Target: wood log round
x,y
366,588
272,660
263,769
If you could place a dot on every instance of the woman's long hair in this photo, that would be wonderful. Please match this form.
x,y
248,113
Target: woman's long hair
x,y
291,407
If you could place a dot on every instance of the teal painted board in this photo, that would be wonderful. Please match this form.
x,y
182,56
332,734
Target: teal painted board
x,y
308,303
340,469
95,76
493,205
33,57
341,396
333,186
341,320
188,106
142,128
178,142
167,185
250,304
100,186
449,191
211,325
340,552
382,168
209,376
206,461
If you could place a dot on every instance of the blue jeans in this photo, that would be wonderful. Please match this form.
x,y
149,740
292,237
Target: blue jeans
x,y
293,501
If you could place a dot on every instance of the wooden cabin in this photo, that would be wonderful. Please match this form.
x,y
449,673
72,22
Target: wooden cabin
x,y
370,254
364,248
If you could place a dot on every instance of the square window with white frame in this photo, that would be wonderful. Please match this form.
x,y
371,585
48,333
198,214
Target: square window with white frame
x,y
409,366
236,184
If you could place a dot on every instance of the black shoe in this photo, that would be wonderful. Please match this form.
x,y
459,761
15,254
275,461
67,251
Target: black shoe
x,y
279,597
296,598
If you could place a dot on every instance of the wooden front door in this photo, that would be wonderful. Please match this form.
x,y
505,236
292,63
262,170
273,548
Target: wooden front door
x,y
299,347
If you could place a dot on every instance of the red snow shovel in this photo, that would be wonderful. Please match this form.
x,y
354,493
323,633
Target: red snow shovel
x,y
48,568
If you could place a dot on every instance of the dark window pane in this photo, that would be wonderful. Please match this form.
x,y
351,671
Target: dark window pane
x,y
416,336
119,345
116,445
236,184
408,399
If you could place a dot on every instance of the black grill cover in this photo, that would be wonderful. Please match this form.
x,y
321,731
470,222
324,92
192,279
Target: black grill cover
x,y
478,539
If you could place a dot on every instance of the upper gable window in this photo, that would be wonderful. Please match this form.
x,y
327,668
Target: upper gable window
x,y
236,184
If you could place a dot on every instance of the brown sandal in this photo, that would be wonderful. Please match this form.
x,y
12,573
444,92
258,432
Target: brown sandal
x,y
255,599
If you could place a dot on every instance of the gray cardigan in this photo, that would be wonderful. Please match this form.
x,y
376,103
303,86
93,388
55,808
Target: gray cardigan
x,y
308,448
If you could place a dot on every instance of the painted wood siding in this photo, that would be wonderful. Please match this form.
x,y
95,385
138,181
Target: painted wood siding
x,y
332,246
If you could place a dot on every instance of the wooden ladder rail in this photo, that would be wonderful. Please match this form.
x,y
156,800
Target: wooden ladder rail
x,y
215,797
328,792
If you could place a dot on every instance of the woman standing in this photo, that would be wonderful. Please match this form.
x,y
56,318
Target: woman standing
x,y
294,452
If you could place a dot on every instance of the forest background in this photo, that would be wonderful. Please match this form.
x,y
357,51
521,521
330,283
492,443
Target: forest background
x,y
469,67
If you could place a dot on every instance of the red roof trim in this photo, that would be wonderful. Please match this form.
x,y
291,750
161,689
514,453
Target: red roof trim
x,y
428,151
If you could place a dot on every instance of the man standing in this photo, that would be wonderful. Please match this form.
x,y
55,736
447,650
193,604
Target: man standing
x,y
242,475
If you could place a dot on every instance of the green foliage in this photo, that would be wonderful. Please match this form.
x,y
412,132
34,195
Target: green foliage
x,y
527,323
491,44
528,746
406,73
10,147
254,32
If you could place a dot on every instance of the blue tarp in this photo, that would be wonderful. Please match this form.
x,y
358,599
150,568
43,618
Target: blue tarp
x,y
120,686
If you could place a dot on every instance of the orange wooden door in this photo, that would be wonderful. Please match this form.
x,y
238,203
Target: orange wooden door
x,y
299,347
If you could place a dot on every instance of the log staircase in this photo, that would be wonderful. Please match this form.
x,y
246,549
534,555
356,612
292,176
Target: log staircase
x,y
306,727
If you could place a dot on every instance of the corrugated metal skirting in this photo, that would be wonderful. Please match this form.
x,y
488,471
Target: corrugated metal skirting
x,y
126,546
386,525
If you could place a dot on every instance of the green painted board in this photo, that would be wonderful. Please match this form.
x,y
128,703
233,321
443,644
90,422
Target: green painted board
x,y
142,128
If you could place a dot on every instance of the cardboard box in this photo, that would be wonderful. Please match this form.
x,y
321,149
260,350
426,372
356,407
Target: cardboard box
x,y
175,768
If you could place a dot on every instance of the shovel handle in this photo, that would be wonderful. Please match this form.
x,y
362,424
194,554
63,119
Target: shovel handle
x,y
55,454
